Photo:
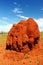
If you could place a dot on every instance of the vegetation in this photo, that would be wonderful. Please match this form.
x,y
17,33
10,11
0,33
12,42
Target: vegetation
x,y
3,37
41,35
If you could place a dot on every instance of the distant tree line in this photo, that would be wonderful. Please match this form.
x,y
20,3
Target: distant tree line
x,y
3,32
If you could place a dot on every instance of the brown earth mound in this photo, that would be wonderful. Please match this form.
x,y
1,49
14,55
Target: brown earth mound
x,y
23,36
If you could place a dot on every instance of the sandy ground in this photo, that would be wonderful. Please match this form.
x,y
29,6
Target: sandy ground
x,y
33,57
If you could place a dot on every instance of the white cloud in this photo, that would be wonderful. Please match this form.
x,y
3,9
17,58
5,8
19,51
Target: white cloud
x,y
40,23
4,21
17,10
21,16
4,24
5,18
5,28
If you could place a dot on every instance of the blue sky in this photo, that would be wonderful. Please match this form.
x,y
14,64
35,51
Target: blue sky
x,y
12,11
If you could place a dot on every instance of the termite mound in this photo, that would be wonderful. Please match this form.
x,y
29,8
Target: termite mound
x,y
23,36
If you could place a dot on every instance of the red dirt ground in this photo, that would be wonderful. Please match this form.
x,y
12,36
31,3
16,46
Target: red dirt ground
x,y
33,57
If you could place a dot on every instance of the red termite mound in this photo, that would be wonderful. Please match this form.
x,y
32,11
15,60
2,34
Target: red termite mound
x,y
23,36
